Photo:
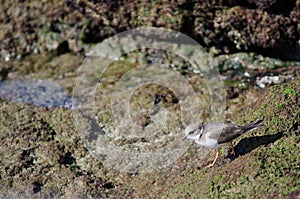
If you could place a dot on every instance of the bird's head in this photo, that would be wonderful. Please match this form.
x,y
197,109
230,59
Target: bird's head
x,y
193,131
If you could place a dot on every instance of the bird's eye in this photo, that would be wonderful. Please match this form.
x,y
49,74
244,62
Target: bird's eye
x,y
191,132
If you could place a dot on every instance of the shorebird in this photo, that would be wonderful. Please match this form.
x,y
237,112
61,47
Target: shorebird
x,y
215,135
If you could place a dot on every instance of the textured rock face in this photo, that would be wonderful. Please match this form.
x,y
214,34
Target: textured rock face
x,y
270,27
249,26
254,28
283,7
41,156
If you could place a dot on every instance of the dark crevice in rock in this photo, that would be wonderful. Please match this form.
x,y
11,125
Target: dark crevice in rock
x,y
37,187
67,159
108,185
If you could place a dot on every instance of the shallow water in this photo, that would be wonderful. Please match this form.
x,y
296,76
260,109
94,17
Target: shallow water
x,y
46,93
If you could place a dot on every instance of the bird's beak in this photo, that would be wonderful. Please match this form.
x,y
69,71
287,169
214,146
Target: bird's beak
x,y
184,138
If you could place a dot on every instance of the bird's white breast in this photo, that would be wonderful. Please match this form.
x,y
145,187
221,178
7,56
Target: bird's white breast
x,y
207,142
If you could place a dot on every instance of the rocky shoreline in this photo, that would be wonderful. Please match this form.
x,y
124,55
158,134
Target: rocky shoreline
x,y
44,154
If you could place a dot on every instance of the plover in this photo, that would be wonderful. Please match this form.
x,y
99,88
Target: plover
x,y
215,135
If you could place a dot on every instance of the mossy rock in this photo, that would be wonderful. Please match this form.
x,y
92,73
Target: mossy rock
x,y
270,169
42,156
280,108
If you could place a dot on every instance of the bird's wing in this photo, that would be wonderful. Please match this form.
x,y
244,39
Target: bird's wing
x,y
225,133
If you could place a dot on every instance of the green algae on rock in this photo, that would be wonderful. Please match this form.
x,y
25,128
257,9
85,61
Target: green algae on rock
x,y
281,108
270,170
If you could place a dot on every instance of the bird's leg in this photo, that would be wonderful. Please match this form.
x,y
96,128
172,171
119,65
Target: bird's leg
x,y
232,148
216,158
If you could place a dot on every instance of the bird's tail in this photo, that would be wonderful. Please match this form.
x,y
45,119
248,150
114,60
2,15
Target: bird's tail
x,y
251,126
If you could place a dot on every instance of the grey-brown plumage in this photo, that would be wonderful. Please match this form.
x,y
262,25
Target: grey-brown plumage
x,y
229,131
